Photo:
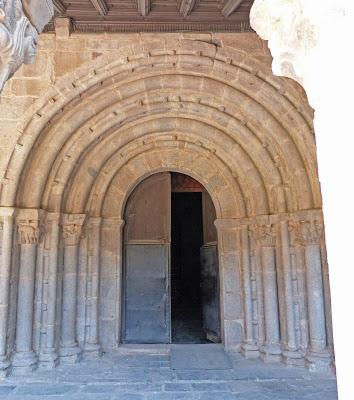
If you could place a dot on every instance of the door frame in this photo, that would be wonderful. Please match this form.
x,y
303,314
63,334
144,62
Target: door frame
x,y
230,259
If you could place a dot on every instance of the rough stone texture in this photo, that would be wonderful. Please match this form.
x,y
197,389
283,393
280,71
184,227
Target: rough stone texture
x,y
114,109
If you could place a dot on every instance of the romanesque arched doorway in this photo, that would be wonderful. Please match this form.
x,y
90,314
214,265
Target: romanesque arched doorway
x,y
170,277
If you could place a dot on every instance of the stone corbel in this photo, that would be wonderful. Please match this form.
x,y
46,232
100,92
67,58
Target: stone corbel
x,y
20,25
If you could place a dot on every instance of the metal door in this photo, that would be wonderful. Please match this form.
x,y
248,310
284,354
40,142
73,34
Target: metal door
x,y
210,273
146,311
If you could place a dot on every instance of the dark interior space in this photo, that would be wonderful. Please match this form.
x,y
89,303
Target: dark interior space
x,y
187,238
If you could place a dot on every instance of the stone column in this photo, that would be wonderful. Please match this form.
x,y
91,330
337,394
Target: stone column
x,y
249,347
291,352
92,346
6,234
72,226
28,235
311,233
267,242
48,356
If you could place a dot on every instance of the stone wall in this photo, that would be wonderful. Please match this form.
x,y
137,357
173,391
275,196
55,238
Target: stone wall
x,y
99,113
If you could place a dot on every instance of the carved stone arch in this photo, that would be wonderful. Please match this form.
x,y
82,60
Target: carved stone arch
x,y
225,66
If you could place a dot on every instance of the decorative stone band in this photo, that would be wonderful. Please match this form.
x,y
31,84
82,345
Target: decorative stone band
x,y
113,221
264,234
72,228
263,228
307,232
30,227
6,213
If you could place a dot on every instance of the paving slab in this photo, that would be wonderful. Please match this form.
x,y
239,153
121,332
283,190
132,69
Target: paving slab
x,y
148,375
199,356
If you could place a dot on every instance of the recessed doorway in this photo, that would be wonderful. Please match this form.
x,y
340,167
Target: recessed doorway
x,y
171,279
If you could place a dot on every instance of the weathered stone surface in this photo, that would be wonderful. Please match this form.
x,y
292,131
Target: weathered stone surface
x,y
246,379
20,24
105,117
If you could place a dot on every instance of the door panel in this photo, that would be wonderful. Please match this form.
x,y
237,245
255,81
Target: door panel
x,y
148,211
147,315
146,312
210,292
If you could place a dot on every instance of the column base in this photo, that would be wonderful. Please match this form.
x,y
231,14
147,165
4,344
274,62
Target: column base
x,y
24,362
319,362
70,354
271,353
293,358
92,350
5,366
48,358
250,350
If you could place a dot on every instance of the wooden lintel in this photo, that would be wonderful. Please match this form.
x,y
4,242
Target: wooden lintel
x,y
230,6
186,7
144,7
59,6
100,6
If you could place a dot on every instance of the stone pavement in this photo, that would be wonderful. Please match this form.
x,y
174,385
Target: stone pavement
x,y
130,374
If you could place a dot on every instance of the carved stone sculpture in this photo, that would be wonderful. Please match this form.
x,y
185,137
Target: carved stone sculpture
x,y
19,29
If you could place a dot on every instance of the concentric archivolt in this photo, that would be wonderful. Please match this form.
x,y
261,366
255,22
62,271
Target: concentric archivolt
x,y
184,97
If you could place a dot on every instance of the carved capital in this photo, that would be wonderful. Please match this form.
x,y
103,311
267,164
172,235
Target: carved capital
x,y
19,35
264,234
72,228
29,226
307,232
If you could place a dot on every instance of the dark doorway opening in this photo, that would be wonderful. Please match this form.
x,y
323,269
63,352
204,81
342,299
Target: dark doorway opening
x,y
186,241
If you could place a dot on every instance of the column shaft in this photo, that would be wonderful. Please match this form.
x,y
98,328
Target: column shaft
x,y
28,222
271,307
72,224
290,353
25,298
68,331
48,354
310,235
315,295
92,344
249,347
5,273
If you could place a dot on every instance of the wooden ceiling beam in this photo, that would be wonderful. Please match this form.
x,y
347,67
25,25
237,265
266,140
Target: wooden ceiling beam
x,y
59,7
230,6
186,7
100,6
144,7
